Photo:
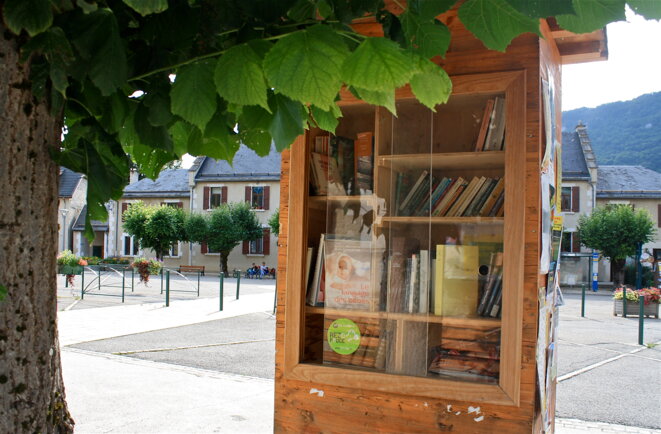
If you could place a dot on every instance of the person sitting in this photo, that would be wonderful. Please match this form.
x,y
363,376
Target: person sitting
x,y
252,271
264,270
272,273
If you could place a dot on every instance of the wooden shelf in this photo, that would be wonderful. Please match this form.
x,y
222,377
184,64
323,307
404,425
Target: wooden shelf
x,y
357,198
474,322
453,160
445,220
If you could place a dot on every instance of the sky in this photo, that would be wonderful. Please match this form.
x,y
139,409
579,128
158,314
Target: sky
x,y
633,67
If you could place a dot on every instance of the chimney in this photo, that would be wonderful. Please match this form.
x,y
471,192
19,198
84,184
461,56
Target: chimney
x,y
134,176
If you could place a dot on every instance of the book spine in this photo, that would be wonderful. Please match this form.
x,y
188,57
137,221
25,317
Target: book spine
x,y
484,126
413,190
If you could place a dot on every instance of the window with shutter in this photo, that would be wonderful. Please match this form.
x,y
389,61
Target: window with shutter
x,y
205,198
575,202
266,241
204,249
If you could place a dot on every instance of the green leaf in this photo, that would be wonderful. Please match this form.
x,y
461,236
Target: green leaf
x,y
301,11
592,15
428,38
150,160
495,22
432,86
219,141
87,8
288,121
542,8
429,9
254,125
194,94
3,292
327,120
146,7
155,137
54,45
306,65
99,43
159,109
385,99
180,132
325,10
377,64
34,16
115,111
239,77
650,9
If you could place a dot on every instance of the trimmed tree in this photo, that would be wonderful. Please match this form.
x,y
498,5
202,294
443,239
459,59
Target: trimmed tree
x,y
615,231
274,222
225,228
155,227
105,67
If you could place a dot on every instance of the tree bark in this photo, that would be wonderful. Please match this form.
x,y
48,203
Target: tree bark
x,y
618,271
31,388
223,262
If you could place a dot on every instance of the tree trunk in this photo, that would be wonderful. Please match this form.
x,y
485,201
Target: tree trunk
x,y
618,271
223,262
31,387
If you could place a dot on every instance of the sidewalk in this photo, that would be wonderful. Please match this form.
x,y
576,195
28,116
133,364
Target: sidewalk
x,y
154,391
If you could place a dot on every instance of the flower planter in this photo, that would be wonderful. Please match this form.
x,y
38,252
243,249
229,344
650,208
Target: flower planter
x,y
633,309
70,269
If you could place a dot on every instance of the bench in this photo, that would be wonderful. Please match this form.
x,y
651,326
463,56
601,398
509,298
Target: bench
x,y
191,269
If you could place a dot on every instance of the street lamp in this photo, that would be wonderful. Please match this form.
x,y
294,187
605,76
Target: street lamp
x,y
64,213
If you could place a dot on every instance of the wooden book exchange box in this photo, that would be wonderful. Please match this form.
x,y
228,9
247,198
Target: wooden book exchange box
x,y
411,291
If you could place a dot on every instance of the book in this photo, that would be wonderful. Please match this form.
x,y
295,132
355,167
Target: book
x,y
423,306
439,199
397,274
413,190
469,195
328,180
419,197
484,126
493,197
480,197
496,131
445,204
364,163
456,280
342,150
424,204
498,206
490,286
315,290
402,184
413,303
348,277
321,144
308,264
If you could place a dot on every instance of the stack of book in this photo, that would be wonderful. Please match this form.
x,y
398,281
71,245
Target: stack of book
x,y
492,291
492,129
342,166
409,279
467,353
448,197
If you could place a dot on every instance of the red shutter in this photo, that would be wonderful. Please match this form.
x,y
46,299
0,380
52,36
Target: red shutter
x,y
658,215
266,197
246,247
205,198
266,242
180,204
223,195
575,199
248,194
575,243
203,247
125,206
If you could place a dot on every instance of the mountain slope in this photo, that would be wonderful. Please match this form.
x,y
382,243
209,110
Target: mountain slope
x,y
623,133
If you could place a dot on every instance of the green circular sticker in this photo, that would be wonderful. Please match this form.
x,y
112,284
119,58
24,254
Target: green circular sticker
x,y
343,336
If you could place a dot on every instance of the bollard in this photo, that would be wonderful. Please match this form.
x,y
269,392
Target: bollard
x,y
82,284
641,318
198,283
624,301
161,280
167,287
583,301
222,282
238,282
132,277
275,297
123,282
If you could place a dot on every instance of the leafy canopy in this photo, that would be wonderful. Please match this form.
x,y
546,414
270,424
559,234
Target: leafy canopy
x,y
251,71
615,230
155,227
